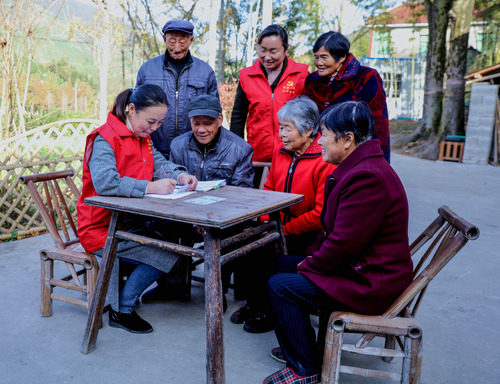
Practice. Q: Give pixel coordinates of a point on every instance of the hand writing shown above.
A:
(162, 186)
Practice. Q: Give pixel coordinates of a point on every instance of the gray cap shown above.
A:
(179, 26)
(205, 105)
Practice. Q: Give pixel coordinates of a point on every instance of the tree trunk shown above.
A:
(453, 108)
(212, 32)
(221, 61)
(252, 27)
(437, 15)
(267, 13)
(103, 71)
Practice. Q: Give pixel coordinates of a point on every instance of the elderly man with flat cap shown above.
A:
(182, 77)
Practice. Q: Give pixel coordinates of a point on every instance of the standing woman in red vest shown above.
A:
(120, 160)
(272, 81)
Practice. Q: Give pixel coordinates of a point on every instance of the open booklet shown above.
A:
(180, 190)
(204, 186)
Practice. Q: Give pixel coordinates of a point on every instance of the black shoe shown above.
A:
(260, 323)
(158, 295)
(130, 322)
(243, 314)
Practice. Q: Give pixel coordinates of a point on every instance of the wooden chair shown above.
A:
(266, 166)
(55, 195)
(398, 323)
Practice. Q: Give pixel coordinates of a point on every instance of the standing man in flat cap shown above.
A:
(182, 77)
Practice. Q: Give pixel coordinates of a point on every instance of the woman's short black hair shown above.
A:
(147, 95)
(335, 43)
(274, 30)
(350, 116)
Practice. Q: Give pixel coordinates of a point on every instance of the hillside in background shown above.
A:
(68, 55)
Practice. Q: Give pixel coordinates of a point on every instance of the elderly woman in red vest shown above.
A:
(121, 161)
(340, 77)
(264, 88)
(361, 262)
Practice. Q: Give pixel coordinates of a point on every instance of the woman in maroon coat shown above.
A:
(361, 262)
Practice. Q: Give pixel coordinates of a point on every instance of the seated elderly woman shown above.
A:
(297, 167)
(362, 260)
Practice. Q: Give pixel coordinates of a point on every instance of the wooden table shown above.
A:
(213, 211)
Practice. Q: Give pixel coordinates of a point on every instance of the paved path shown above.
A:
(459, 316)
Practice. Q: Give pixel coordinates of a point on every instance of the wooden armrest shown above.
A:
(87, 260)
(398, 326)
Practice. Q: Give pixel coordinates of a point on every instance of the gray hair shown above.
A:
(301, 111)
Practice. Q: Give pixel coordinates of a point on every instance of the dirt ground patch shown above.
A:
(423, 149)
(402, 127)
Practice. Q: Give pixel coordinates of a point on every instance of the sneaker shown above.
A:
(130, 322)
(243, 314)
(277, 354)
(260, 323)
(288, 376)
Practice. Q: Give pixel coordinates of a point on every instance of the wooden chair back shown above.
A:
(54, 203)
(55, 195)
(449, 233)
(266, 166)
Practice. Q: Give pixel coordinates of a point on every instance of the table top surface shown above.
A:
(219, 208)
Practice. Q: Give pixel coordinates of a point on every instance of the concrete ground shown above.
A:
(459, 316)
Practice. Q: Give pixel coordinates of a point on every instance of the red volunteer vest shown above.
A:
(262, 122)
(134, 158)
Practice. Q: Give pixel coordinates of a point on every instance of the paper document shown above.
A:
(204, 186)
(174, 195)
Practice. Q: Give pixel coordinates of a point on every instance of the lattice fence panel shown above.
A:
(53, 147)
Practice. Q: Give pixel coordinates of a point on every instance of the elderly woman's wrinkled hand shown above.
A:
(162, 186)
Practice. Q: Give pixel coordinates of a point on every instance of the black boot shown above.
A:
(130, 322)
(260, 323)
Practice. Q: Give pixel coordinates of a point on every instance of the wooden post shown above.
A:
(214, 321)
(333, 351)
(94, 320)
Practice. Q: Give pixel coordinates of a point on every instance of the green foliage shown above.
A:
(54, 114)
(360, 42)
(300, 19)
(489, 40)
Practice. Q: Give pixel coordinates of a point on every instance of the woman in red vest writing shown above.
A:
(120, 160)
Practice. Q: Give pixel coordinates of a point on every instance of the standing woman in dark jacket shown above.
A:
(264, 88)
(340, 77)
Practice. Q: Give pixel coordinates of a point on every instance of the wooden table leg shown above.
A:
(98, 299)
(280, 244)
(214, 321)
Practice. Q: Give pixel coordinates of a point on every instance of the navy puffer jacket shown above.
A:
(197, 78)
(229, 159)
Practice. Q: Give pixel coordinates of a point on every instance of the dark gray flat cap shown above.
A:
(205, 105)
(179, 26)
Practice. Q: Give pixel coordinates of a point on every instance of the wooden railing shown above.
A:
(53, 147)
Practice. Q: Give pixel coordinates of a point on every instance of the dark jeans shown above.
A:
(293, 297)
